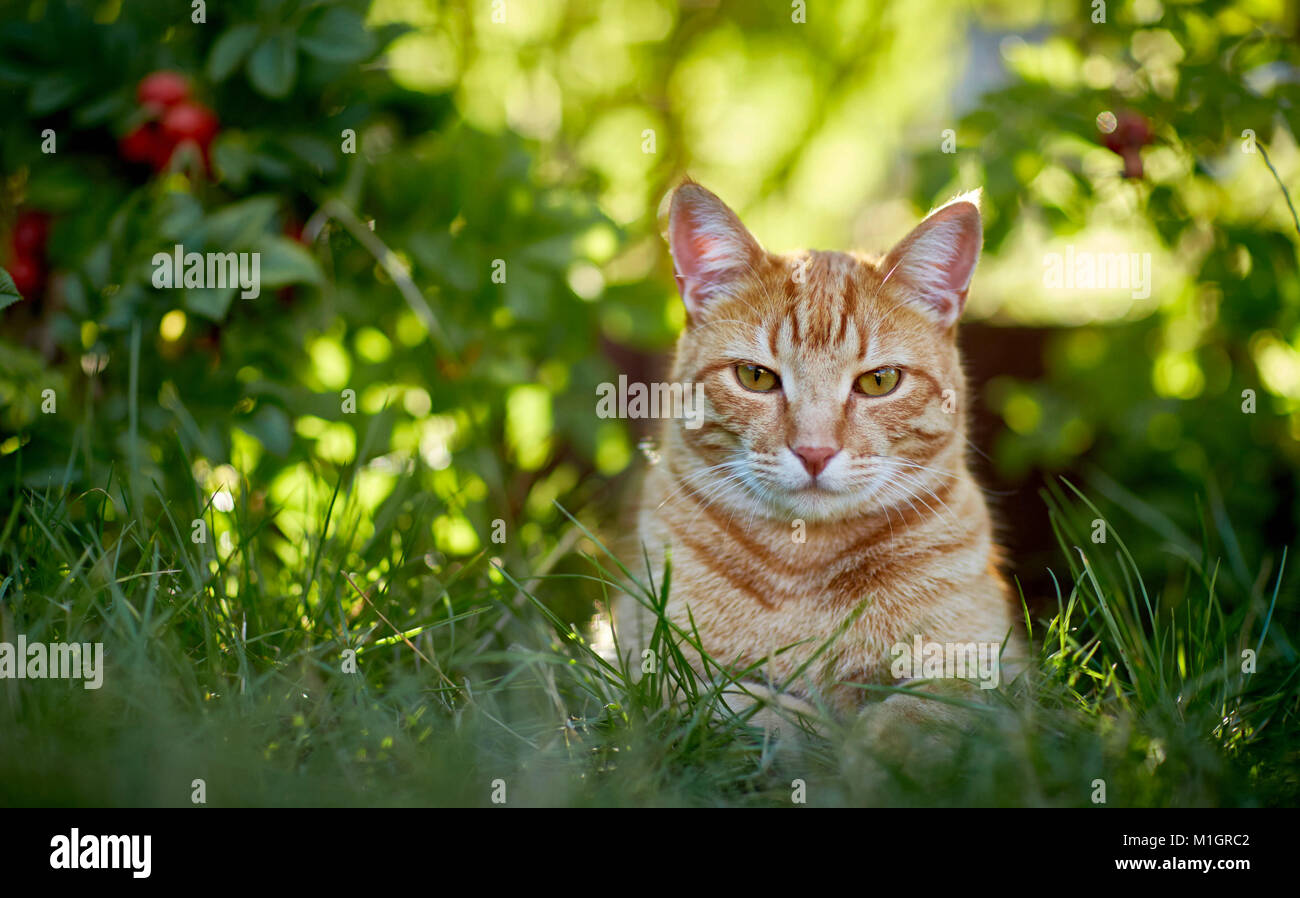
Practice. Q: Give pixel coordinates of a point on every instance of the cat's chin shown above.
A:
(814, 505)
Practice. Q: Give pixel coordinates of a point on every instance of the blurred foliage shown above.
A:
(1188, 401)
(176, 385)
(535, 140)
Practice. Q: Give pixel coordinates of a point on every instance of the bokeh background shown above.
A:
(545, 133)
(457, 206)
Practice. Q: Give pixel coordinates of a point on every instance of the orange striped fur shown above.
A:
(895, 526)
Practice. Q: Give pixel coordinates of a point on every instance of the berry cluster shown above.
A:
(173, 120)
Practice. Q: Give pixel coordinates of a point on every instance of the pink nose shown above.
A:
(814, 458)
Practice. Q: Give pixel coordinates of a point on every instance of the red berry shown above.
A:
(145, 144)
(27, 274)
(1131, 133)
(162, 89)
(190, 121)
(31, 230)
(1133, 129)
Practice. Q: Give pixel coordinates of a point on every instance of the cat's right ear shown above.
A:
(712, 251)
(938, 258)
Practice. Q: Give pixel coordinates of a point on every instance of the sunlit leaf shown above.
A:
(285, 262)
(273, 67)
(230, 50)
(337, 34)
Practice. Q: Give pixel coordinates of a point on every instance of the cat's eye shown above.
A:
(879, 382)
(757, 378)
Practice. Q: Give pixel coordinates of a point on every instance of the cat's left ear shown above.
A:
(935, 262)
(712, 251)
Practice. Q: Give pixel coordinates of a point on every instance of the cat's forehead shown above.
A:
(825, 293)
(827, 273)
(820, 304)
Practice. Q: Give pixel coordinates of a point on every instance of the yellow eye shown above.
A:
(756, 379)
(879, 382)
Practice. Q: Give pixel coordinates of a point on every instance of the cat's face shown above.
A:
(833, 385)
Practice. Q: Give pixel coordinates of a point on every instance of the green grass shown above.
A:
(225, 663)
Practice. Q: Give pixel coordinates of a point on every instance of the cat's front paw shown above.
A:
(909, 728)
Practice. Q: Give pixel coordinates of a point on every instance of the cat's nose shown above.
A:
(814, 458)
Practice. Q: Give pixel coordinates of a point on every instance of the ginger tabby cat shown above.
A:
(834, 411)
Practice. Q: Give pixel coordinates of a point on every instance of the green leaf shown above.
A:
(315, 151)
(239, 225)
(210, 302)
(271, 168)
(52, 93)
(181, 214)
(104, 109)
(8, 291)
(337, 35)
(285, 262)
(232, 159)
(273, 67)
(230, 50)
(453, 262)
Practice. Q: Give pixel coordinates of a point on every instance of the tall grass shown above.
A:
(226, 663)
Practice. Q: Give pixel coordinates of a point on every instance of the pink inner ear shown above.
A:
(710, 246)
(939, 258)
(694, 252)
(965, 252)
(699, 257)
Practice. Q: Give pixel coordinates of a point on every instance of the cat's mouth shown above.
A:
(816, 499)
(816, 487)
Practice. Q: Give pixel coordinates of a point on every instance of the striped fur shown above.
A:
(897, 530)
